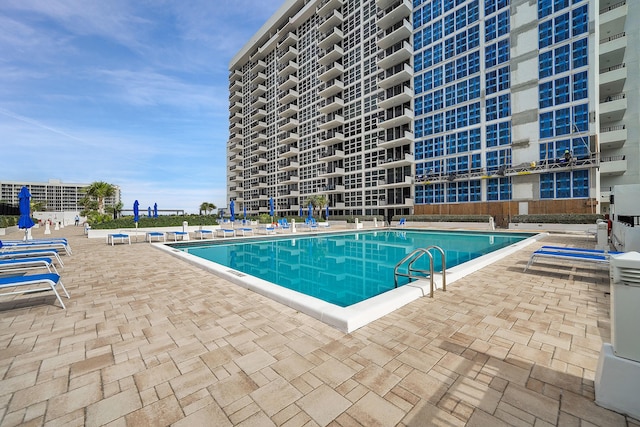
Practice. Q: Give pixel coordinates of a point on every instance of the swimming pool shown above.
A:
(333, 276)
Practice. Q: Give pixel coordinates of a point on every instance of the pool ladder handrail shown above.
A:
(416, 255)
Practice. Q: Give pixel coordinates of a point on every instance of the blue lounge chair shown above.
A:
(564, 255)
(22, 264)
(402, 223)
(34, 253)
(18, 281)
(155, 235)
(579, 250)
(35, 244)
(202, 233)
(226, 231)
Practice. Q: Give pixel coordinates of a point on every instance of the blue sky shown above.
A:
(131, 92)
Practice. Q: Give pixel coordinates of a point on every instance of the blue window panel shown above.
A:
(545, 94)
(580, 53)
(492, 135)
(426, 14)
(503, 51)
(580, 183)
(450, 120)
(417, 84)
(563, 121)
(419, 128)
(580, 86)
(563, 185)
(545, 8)
(490, 29)
(492, 109)
(562, 59)
(503, 3)
(546, 125)
(449, 4)
(462, 117)
(438, 196)
(438, 99)
(493, 188)
(545, 34)
(436, 8)
(461, 18)
(463, 191)
(547, 152)
(461, 42)
(417, 62)
(428, 127)
(491, 82)
(473, 12)
(505, 189)
(504, 25)
(504, 106)
(463, 164)
(417, 19)
(561, 28)
(504, 133)
(474, 87)
(561, 146)
(419, 147)
(437, 53)
(547, 187)
(452, 192)
(461, 92)
(437, 30)
(504, 78)
(417, 40)
(427, 60)
(491, 52)
(476, 162)
(438, 123)
(474, 113)
(428, 103)
(492, 161)
(437, 77)
(420, 195)
(428, 80)
(438, 147)
(473, 36)
(417, 3)
(427, 37)
(463, 142)
(562, 90)
(580, 148)
(449, 47)
(475, 140)
(545, 68)
(418, 105)
(558, 5)
(489, 7)
(580, 20)
(474, 62)
(450, 95)
(449, 71)
(581, 117)
(475, 191)
(451, 147)
(461, 67)
(449, 24)
(451, 165)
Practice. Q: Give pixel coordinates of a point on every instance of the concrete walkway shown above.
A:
(150, 340)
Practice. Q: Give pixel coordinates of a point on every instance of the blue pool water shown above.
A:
(345, 268)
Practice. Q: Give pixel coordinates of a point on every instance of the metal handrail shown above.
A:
(416, 255)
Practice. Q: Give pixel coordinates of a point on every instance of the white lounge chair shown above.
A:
(175, 234)
(118, 237)
(22, 264)
(17, 282)
(202, 233)
(155, 235)
(226, 231)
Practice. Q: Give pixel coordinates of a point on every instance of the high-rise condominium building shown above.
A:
(393, 107)
(54, 195)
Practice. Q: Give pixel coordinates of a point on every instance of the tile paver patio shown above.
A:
(148, 339)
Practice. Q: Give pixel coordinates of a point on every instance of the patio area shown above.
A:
(150, 340)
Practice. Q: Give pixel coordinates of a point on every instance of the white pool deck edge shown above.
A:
(348, 319)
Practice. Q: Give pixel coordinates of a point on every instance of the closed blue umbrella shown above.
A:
(310, 216)
(136, 212)
(326, 215)
(155, 210)
(245, 213)
(149, 211)
(232, 207)
(25, 221)
(271, 206)
(301, 211)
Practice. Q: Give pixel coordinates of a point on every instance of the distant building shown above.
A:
(400, 107)
(55, 195)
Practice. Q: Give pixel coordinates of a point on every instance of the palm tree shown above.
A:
(317, 201)
(100, 190)
(207, 207)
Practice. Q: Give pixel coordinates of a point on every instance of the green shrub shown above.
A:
(443, 218)
(161, 221)
(8, 221)
(557, 219)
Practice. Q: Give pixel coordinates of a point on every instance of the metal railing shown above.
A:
(415, 273)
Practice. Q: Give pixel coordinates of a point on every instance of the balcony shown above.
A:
(331, 138)
(396, 76)
(613, 108)
(235, 147)
(329, 39)
(289, 39)
(612, 80)
(398, 32)
(258, 102)
(398, 202)
(612, 49)
(395, 55)
(330, 172)
(394, 98)
(235, 96)
(289, 82)
(236, 117)
(287, 68)
(612, 19)
(258, 90)
(405, 116)
(332, 20)
(260, 149)
(394, 11)
(236, 106)
(259, 77)
(331, 55)
(331, 72)
(235, 128)
(288, 96)
(396, 162)
(331, 122)
(288, 165)
(235, 75)
(288, 151)
(331, 88)
(259, 65)
(259, 113)
(326, 6)
(333, 188)
(288, 124)
(290, 178)
(397, 139)
(288, 54)
(288, 138)
(612, 137)
(260, 161)
(330, 105)
(258, 126)
(288, 110)
(331, 155)
(236, 138)
(260, 137)
(406, 181)
(236, 85)
(612, 166)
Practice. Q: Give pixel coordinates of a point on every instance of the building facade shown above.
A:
(54, 195)
(392, 107)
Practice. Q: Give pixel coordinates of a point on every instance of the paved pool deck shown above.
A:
(150, 340)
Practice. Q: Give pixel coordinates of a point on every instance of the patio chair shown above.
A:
(226, 231)
(17, 282)
(567, 255)
(402, 223)
(22, 264)
(202, 233)
(33, 253)
(35, 244)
